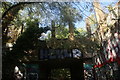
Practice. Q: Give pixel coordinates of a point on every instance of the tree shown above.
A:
(64, 14)
(25, 45)
(70, 15)
(62, 32)
(29, 39)
(9, 16)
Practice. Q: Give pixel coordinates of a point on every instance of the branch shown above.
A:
(84, 13)
(14, 6)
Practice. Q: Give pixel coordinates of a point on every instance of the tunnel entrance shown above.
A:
(73, 69)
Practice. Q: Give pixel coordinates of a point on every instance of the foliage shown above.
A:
(80, 32)
(61, 32)
(5, 6)
(29, 39)
(61, 74)
(64, 14)
(9, 15)
(70, 13)
(25, 43)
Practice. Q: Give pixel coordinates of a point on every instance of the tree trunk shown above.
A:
(88, 27)
(53, 29)
(22, 28)
(71, 30)
(100, 16)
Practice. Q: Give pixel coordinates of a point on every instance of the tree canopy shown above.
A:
(23, 23)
